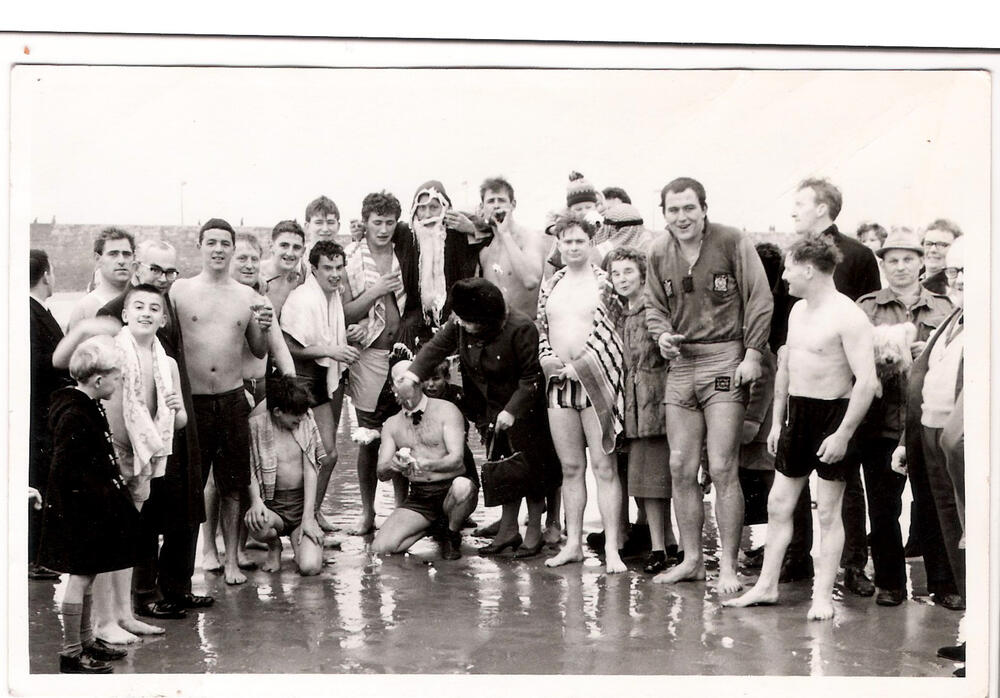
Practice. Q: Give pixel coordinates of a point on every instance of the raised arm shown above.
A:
(526, 263)
(443, 344)
(85, 329)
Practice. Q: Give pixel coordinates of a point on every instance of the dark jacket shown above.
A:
(45, 379)
(89, 521)
(936, 283)
(177, 497)
(645, 376)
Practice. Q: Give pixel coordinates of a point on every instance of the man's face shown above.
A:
(379, 229)
(406, 391)
(955, 273)
(157, 268)
(582, 207)
(683, 214)
(428, 207)
(328, 272)
(575, 246)
(797, 275)
(807, 215)
(287, 248)
(494, 201)
(902, 268)
(626, 278)
(288, 422)
(322, 227)
(936, 244)
(144, 313)
(246, 264)
(216, 249)
(115, 263)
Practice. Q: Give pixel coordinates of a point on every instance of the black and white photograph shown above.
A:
(339, 360)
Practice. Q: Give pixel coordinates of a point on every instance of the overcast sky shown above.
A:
(125, 145)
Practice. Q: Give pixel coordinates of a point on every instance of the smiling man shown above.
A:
(283, 271)
(709, 309)
(938, 238)
(216, 315)
(114, 250)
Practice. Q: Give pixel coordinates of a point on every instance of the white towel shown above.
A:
(310, 319)
(151, 439)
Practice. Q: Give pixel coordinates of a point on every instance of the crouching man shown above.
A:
(285, 453)
(425, 443)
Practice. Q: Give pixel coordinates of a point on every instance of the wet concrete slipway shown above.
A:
(417, 613)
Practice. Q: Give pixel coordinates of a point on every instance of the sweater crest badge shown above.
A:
(720, 282)
(668, 287)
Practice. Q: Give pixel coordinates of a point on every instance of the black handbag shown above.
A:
(506, 480)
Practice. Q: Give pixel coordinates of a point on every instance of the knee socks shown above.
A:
(71, 617)
(86, 628)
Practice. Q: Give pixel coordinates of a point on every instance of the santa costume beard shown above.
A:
(431, 234)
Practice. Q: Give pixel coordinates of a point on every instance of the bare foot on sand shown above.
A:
(552, 534)
(363, 526)
(273, 561)
(134, 625)
(233, 574)
(569, 553)
(755, 596)
(729, 583)
(613, 564)
(687, 571)
(211, 562)
(115, 634)
(325, 525)
(821, 609)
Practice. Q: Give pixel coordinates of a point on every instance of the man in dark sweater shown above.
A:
(817, 205)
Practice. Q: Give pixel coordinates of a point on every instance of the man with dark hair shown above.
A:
(826, 381)
(283, 271)
(817, 204)
(939, 236)
(381, 292)
(709, 309)
(45, 379)
(113, 252)
(216, 315)
(322, 221)
(614, 196)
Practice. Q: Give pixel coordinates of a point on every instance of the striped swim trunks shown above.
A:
(568, 394)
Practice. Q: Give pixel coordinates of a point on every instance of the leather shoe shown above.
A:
(953, 653)
(38, 572)
(953, 602)
(102, 651)
(959, 672)
(890, 597)
(796, 570)
(189, 600)
(163, 609)
(496, 548)
(82, 664)
(655, 562)
(524, 551)
(596, 541)
(451, 546)
(856, 582)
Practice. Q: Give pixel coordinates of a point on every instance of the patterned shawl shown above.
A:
(362, 274)
(151, 438)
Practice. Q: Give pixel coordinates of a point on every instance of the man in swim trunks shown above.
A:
(425, 443)
(826, 379)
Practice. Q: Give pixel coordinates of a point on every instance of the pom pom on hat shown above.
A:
(579, 190)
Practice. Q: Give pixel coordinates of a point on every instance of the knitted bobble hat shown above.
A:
(579, 189)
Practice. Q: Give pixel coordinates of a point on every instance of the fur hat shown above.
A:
(477, 300)
(579, 190)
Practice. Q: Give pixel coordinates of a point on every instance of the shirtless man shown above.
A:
(424, 443)
(216, 315)
(581, 358)
(114, 250)
(284, 271)
(826, 379)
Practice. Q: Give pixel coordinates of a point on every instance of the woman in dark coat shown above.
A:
(502, 380)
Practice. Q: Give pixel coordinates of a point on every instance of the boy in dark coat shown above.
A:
(89, 521)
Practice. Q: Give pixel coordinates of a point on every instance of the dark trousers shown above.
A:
(940, 579)
(885, 505)
(165, 571)
(943, 492)
(38, 477)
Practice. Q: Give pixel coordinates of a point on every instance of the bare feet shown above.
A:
(729, 582)
(273, 561)
(569, 553)
(134, 625)
(363, 526)
(552, 534)
(211, 562)
(687, 571)
(254, 544)
(115, 634)
(233, 574)
(244, 562)
(821, 609)
(755, 596)
(489, 531)
(613, 563)
(325, 525)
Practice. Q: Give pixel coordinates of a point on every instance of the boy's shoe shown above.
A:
(857, 582)
(82, 664)
(675, 556)
(161, 610)
(796, 570)
(38, 572)
(102, 651)
(890, 597)
(953, 602)
(189, 600)
(953, 653)
(656, 561)
(451, 546)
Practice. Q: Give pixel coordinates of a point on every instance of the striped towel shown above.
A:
(362, 274)
(600, 366)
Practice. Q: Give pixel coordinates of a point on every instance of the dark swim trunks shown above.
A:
(224, 439)
(288, 505)
(809, 422)
(427, 498)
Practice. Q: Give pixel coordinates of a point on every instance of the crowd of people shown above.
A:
(669, 361)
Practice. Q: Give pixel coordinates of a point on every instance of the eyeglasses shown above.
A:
(170, 274)
(953, 272)
(939, 245)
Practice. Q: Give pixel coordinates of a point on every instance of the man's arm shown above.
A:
(85, 329)
(453, 427)
(256, 335)
(357, 308)
(780, 402)
(386, 467)
(278, 349)
(657, 312)
(442, 345)
(525, 345)
(310, 527)
(338, 352)
(174, 400)
(758, 301)
(856, 337)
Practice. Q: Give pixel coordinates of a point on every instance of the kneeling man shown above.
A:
(285, 453)
(826, 377)
(425, 443)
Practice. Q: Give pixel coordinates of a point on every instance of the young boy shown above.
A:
(285, 453)
(89, 523)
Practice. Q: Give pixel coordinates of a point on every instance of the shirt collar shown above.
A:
(420, 407)
(886, 296)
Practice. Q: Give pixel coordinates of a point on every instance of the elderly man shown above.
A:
(904, 300)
